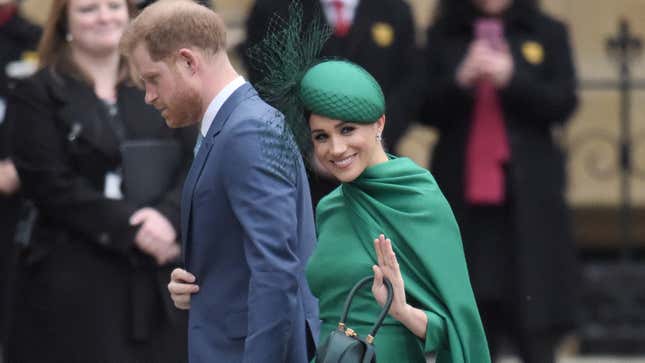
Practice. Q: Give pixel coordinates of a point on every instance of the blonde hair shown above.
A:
(167, 26)
(54, 49)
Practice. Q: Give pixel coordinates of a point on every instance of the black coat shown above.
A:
(541, 95)
(84, 292)
(16, 36)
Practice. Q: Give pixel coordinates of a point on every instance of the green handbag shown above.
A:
(343, 345)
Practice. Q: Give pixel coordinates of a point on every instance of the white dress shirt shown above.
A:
(349, 10)
(217, 103)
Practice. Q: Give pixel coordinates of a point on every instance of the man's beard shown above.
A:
(184, 109)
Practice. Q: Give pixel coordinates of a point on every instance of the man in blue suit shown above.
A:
(247, 221)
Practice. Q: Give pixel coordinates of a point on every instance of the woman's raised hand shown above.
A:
(388, 267)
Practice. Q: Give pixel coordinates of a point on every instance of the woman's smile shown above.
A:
(345, 162)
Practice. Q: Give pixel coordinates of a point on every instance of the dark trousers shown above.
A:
(489, 244)
(500, 321)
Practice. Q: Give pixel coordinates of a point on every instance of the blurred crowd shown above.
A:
(85, 260)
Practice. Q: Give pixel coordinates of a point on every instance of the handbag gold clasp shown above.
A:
(350, 332)
(369, 339)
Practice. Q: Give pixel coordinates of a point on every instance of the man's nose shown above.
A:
(150, 97)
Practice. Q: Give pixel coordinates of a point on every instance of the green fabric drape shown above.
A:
(402, 200)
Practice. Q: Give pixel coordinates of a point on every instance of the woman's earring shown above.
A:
(69, 37)
(379, 137)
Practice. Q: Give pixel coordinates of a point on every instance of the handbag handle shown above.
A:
(382, 315)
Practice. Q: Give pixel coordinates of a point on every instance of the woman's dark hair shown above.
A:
(462, 13)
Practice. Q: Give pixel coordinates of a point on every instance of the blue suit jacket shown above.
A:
(248, 228)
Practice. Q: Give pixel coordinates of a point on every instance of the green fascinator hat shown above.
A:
(295, 81)
(342, 90)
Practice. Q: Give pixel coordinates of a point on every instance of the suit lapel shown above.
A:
(245, 91)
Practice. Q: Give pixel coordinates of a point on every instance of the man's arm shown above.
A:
(262, 192)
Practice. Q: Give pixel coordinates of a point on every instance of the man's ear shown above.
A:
(188, 60)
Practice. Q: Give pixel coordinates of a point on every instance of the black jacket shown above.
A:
(82, 281)
(16, 36)
(540, 96)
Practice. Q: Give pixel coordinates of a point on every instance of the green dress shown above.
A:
(401, 200)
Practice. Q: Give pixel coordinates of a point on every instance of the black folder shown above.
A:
(149, 169)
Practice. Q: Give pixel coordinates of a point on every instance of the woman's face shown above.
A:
(96, 26)
(345, 149)
(493, 7)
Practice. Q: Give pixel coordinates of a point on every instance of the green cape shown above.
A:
(403, 201)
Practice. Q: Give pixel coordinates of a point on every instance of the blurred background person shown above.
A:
(379, 35)
(17, 37)
(500, 77)
(91, 284)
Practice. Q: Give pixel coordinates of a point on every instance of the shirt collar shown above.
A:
(218, 101)
(346, 3)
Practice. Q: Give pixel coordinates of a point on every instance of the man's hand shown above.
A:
(156, 237)
(181, 287)
(9, 182)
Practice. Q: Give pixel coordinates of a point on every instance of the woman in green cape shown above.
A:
(388, 218)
